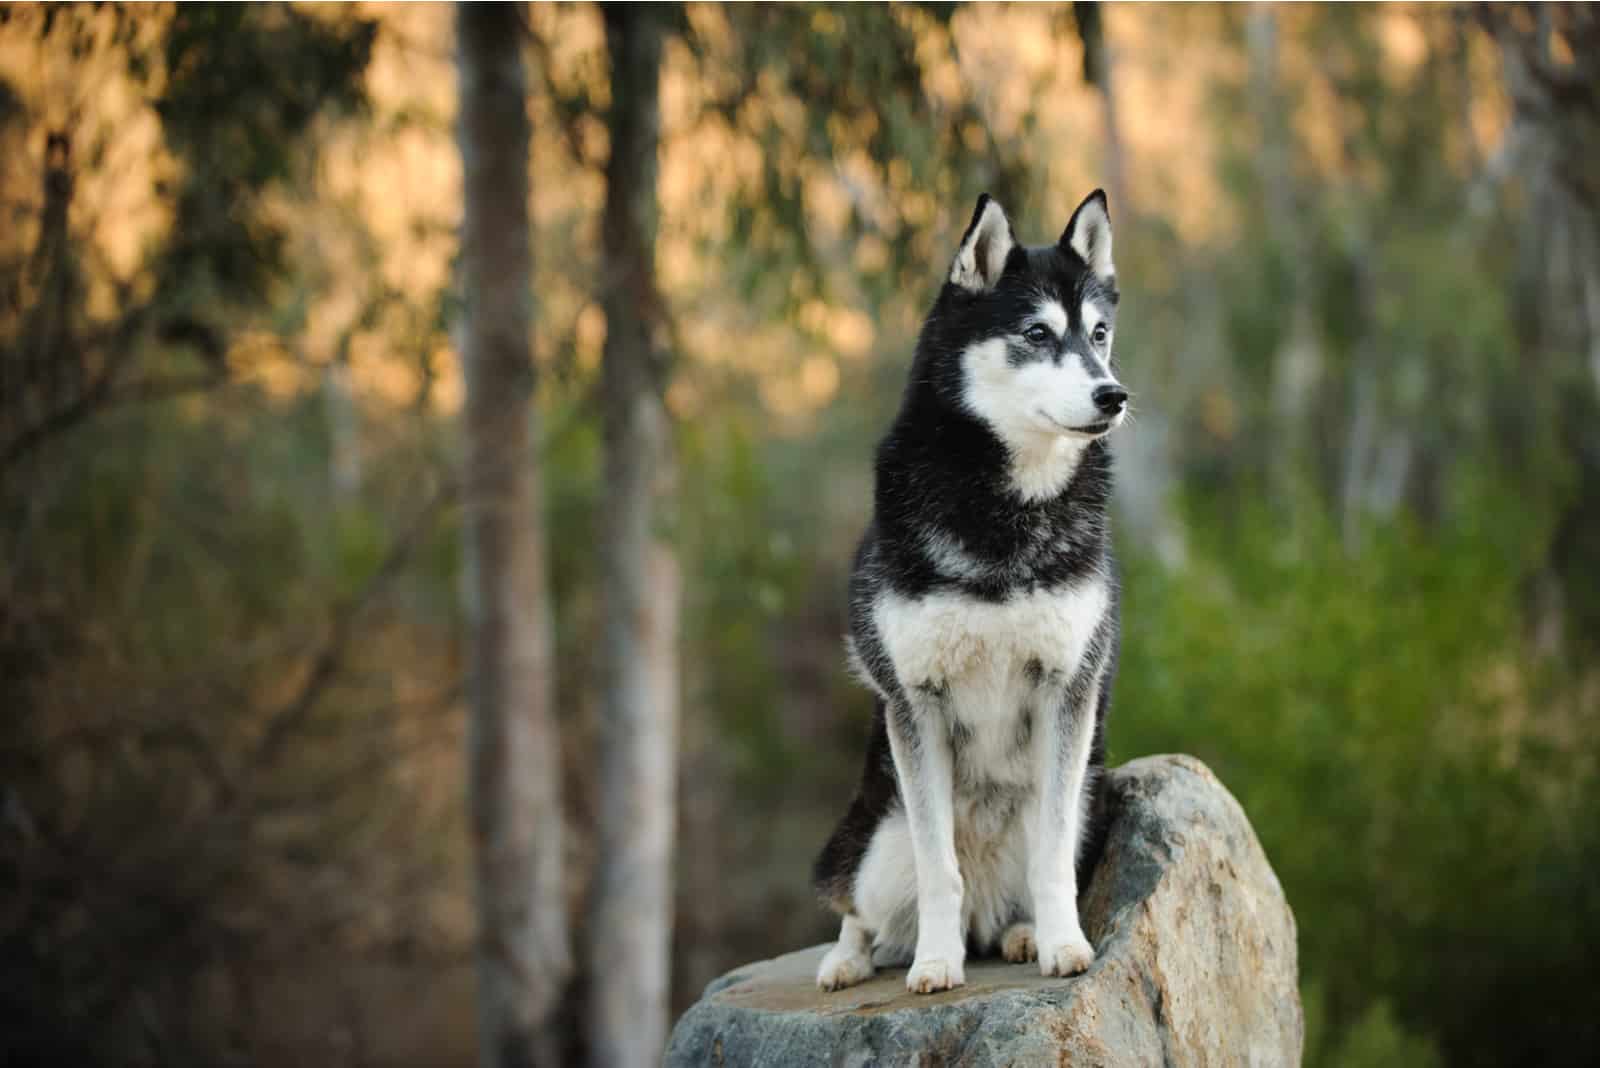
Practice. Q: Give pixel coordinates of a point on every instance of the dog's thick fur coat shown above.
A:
(984, 616)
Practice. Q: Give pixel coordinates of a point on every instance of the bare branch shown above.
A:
(325, 665)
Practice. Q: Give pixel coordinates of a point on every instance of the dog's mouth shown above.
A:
(1087, 430)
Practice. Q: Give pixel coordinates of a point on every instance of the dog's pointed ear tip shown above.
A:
(1083, 215)
(988, 213)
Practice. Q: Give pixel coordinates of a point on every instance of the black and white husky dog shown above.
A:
(983, 614)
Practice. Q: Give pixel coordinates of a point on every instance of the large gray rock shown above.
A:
(1195, 965)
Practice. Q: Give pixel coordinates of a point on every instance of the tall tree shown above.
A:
(1552, 73)
(1097, 71)
(1296, 361)
(523, 952)
(630, 929)
(1144, 496)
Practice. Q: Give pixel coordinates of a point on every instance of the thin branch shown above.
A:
(565, 119)
(325, 666)
(101, 397)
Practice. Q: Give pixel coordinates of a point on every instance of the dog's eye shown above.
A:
(1100, 334)
(1038, 334)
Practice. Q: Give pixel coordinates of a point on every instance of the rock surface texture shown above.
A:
(1195, 965)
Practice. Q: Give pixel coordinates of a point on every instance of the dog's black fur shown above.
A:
(942, 468)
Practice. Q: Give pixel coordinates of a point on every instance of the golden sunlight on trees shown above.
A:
(303, 497)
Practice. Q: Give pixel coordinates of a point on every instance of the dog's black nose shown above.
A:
(1110, 399)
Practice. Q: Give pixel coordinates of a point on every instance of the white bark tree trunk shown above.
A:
(515, 771)
(630, 929)
(344, 424)
(1361, 442)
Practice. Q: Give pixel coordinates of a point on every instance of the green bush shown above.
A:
(1376, 718)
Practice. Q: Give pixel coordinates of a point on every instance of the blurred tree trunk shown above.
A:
(1556, 102)
(344, 423)
(631, 926)
(523, 952)
(1365, 441)
(1297, 365)
(44, 375)
(1097, 71)
(1144, 494)
(1360, 446)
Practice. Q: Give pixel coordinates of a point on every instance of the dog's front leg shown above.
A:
(919, 739)
(1063, 755)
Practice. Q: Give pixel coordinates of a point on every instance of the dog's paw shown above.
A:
(1016, 945)
(932, 976)
(842, 967)
(1071, 955)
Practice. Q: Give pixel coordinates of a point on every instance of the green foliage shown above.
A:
(1411, 748)
(859, 84)
(1356, 707)
(1374, 1040)
(243, 84)
(743, 574)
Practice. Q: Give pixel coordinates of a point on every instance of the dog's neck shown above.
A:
(1032, 468)
(1041, 466)
(955, 498)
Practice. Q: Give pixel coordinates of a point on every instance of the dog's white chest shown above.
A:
(951, 639)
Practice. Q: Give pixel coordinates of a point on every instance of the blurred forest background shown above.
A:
(1359, 508)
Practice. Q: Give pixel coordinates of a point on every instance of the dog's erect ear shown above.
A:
(984, 248)
(1089, 234)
